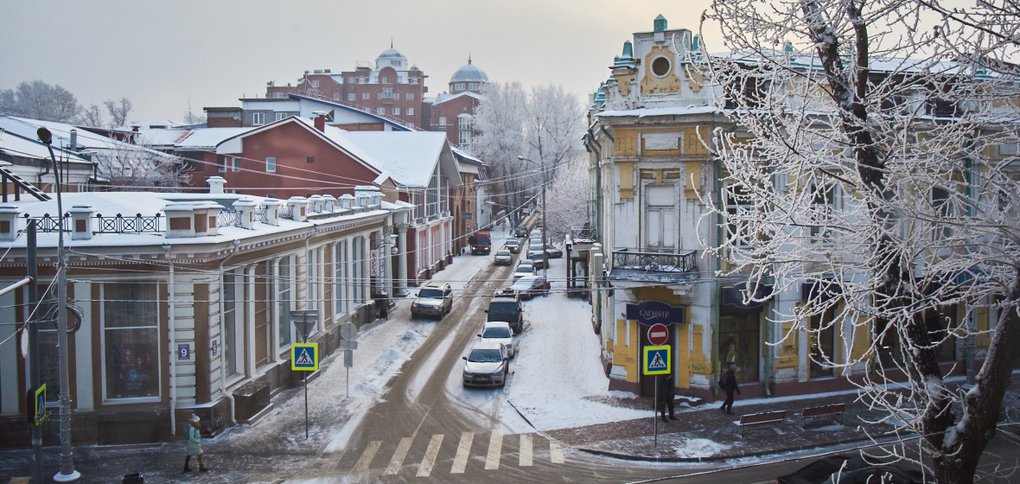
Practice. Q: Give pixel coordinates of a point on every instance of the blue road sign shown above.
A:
(304, 357)
(656, 360)
(40, 405)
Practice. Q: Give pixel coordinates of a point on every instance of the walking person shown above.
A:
(665, 394)
(729, 384)
(194, 444)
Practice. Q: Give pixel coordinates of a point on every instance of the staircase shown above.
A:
(20, 184)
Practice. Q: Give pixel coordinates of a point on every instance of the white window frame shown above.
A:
(258, 119)
(270, 164)
(235, 164)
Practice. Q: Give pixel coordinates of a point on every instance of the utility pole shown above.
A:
(33, 343)
(67, 472)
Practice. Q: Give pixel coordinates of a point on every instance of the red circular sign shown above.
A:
(658, 334)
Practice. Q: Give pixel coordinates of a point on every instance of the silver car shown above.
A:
(500, 332)
(486, 365)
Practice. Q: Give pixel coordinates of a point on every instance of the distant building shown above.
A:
(453, 112)
(391, 89)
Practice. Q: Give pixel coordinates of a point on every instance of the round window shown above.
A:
(660, 66)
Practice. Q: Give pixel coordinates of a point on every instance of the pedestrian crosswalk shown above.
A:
(440, 454)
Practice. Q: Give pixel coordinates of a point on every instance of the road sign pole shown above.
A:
(655, 416)
(304, 380)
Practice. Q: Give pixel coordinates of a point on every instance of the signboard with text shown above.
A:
(652, 312)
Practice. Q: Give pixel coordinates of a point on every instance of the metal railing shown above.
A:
(654, 261)
(582, 233)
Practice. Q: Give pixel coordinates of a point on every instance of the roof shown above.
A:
(394, 125)
(444, 97)
(410, 157)
(208, 137)
(86, 140)
(469, 73)
(667, 111)
(16, 145)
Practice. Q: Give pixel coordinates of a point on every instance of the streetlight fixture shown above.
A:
(545, 254)
(67, 472)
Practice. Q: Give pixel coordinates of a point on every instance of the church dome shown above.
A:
(391, 58)
(469, 73)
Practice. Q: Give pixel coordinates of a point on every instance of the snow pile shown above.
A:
(698, 448)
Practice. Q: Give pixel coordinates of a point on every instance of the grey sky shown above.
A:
(163, 54)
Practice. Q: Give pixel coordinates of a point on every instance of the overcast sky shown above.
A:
(163, 55)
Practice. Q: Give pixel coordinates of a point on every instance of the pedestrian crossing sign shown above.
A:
(656, 360)
(304, 357)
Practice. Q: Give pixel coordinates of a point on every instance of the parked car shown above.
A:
(486, 365)
(500, 332)
(850, 469)
(503, 257)
(434, 299)
(513, 245)
(537, 258)
(553, 252)
(528, 287)
(506, 306)
(525, 268)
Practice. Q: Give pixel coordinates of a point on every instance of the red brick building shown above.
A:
(392, 89)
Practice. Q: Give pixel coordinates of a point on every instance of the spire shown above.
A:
(391, 41)
(469, 58)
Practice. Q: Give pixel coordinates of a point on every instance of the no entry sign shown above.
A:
(658, 334)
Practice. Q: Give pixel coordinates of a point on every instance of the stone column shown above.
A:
(402, 269)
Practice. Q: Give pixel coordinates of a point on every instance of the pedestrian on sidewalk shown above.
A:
(194, 444)
(665, 394)
(729, 384)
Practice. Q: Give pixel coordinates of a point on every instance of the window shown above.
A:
(222, 165)
(231, 330)
(358, 275)
(464, 122)
(943, 212)
(278, 95)
(660, 217)
(336, 96)
(366, 96)
(315, 83)
(442, 120)
(410, 111)
(380, 111)
(46, 346)
(258, 119)
(385, 80)
(414, 80)
(340, 283)
(660, 66)
(352, 96)
(284, 299)
(281, 116)
(310, 159)
(235, 164)
(822, 342)
(396, 111)
(738, 208)
(131, 341)
(822, 208)
(409, 96)
(270, 164)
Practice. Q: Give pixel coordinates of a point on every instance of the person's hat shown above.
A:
(733, 367)
(195, 418)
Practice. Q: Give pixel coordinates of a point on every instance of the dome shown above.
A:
(391, 58)
(469, 73)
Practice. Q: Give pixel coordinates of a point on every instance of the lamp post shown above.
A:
(67, 472)
(545, 255)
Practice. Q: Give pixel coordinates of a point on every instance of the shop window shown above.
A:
(45, 353)
(739, 337)
(131, 341)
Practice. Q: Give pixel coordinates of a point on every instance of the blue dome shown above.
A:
(469, 73)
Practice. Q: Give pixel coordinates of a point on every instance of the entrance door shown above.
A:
(822, 338)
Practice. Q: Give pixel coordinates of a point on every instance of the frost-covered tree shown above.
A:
(39, 100)
(119, 111)
(542, 126)
(129, 168)
(91, 116)
(568, 198)
(874, 158)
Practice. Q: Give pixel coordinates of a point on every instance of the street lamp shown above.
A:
(545, 255)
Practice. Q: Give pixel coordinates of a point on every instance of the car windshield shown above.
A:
(504, 253)
(479, 355)
(502, 309)
(496, 332)
(523, 283)
(431, 293)
(512, 243)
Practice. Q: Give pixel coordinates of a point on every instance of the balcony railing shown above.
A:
(653, 261)
(582, 234)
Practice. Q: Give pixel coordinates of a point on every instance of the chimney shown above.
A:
(320, 122)
(81, 222)
(315, 203)
(8, 222)
(346, 201)
(298, 207)
(216, 184)
(245, 208)
(272, 209)
(328, 203)
(74, 140)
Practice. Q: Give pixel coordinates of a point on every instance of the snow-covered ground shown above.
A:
(557, 369)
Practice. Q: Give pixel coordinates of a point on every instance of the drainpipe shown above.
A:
(223, 375)
(173, 341)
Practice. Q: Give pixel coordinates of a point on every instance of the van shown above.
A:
(506, 307)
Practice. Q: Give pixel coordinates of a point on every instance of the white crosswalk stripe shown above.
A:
(425, 469)
(398, 457)
(495, 448)
(463, 452)
(555, 452)
(526, 447)
(366, 458)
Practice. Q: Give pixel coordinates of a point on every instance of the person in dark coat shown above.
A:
(729, 384)
(665, 395)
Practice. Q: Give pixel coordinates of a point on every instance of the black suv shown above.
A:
(506, 307)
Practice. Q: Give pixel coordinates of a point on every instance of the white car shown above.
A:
(501, 333)
(503, 257)
(525, 268)
(486, 365)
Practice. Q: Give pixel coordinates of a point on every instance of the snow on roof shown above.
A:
(159, 136)
(209, 137)
(390, 122)
(148, 204)
(17, 146)
(409, 158)
(667, 111)
(444, 97)
(86, 140)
